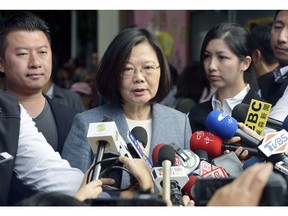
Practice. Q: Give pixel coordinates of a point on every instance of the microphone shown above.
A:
(186, 158)
(206, 141)
(105, 137)
(213, 144)
(188, 189)
(140, 134)
(166, 157)
(178, 174)
(226, 127)
(155, 154)
(252, 161)
(240, 112)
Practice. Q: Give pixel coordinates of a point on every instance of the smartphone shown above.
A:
(4, 157)
(282, 167)
(230, 163)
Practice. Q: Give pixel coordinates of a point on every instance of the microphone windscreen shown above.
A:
(209, 142)
(187, 189)
(166, 152)
(223, 125)
(252, 161)
(140, 134)
(155, 154)
(240, 112)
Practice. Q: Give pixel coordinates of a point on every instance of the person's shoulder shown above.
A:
(65, 92)
(59, 106)
(200, 107)
(166, 109)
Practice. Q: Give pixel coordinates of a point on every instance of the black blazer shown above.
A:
(198, 114)
(9, 135)
(63, 116)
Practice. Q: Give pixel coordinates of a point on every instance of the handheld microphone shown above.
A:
(104, 137)
(186, 158)
(141, 135)
(188, 189)
(166, 156)
(240, 112)
(206, 141)
(155, 154)
(213, 144)
(226, 127)
(252, 161)
(178, 174)
(183, 157)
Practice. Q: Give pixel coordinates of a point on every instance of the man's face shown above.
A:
(279, 38)
(27, 61)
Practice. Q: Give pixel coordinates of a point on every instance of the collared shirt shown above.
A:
(229, 103)
(50, 91)
(280, 111)
(39, 166)
(278, 73)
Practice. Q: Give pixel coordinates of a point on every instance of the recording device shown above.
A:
(140, 134)
(104, 137)
(252, 161)
(240, 112)
(230, 163)
(226, 127)
(213, 144)
(177, 174)
(256, 116)
(272, 145)
(139, 150)
(186, 158)
(274, 193)
(166, 157)
(188, 188)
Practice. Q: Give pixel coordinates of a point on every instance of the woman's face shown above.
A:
(222, 66)
(139, 88)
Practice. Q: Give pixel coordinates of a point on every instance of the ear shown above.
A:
(256, 56)
(246, 63)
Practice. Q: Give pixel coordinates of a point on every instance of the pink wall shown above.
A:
(170, 26)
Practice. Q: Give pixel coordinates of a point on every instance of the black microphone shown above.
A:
(140, 134)
(240, 112)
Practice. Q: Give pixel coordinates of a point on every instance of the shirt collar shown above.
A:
(50, 91)
(229, 103)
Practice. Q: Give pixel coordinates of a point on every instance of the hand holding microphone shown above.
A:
(226, 127)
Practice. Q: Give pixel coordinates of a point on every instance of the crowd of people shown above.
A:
(44, 122)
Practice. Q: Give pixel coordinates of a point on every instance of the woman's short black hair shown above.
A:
(115, 59)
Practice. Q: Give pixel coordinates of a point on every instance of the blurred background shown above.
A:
(80, 34)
